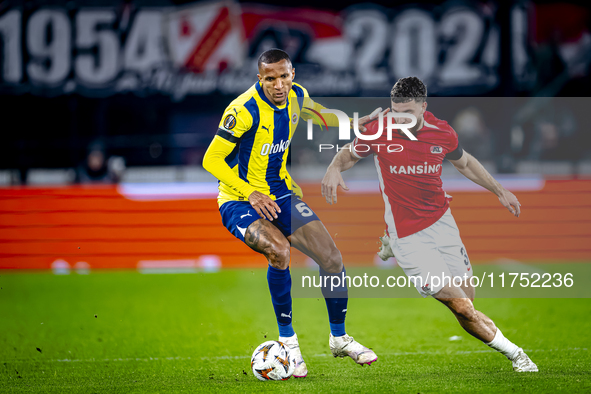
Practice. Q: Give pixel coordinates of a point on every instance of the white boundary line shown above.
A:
(511, 265)
(146, 359)
(160, 191)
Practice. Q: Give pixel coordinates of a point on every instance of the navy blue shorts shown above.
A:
(238, 215)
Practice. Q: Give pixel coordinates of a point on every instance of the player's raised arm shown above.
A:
(342, 161)
(311, 107)
(313, 110)
(471, 168)
(345, 159)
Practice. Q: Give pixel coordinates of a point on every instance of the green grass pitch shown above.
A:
(130, 333)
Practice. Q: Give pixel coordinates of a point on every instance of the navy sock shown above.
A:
(336, 301)
(280, 288)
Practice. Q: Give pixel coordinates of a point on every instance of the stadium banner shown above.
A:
(212, 47)
(177, 227)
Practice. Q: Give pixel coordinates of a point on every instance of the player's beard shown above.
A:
(418, 126)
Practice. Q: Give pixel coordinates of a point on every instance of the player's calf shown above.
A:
(482, 327)
(314, 241)
(265, 238)
(469, 318)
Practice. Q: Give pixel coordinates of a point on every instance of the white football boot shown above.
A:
(522, 363)
(385, 250)
(347, 346)
(301, 371)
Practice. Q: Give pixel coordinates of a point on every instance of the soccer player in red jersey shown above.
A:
(421, 231)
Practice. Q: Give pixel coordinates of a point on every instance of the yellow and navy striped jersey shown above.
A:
(261, 132)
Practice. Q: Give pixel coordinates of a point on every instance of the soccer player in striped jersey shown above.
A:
(257, 203)
(421, 231)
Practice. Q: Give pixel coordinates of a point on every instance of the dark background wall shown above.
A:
(127, 74)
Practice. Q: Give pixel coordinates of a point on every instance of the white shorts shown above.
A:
(434, 256)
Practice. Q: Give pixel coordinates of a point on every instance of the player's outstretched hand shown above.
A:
(510, 202)
(331, 181)
(265, 207)
(368, 118)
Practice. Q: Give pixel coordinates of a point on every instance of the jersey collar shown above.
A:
(266, 100)
(427, 124)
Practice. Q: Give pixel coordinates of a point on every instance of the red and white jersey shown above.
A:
(410, 173)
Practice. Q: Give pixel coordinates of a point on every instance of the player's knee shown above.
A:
(470, 293)
(333, 261)
(469, 290)
(278, 256)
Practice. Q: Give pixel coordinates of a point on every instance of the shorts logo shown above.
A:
(229, 122)
(436, 149)
(242, 230)
(294, 118)
(426, 288)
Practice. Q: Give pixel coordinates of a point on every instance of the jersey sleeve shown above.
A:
(312, 110)
(310, 106)
(454, 149)
(214, 162)
(235, 122)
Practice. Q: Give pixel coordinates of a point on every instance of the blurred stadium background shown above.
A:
(109, 106)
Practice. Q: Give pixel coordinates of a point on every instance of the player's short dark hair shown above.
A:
(408, 89)
(273, 56)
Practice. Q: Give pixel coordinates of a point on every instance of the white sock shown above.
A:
(503, 345)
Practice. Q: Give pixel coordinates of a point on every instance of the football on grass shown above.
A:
(271, 361)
